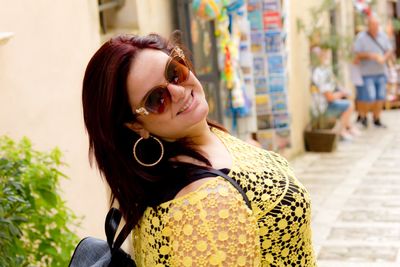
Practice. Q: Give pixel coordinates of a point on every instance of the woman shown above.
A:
(146, 115)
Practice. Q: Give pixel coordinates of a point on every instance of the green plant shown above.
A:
(35, 223)
(319, 120)
(323, 35)
(320, 34)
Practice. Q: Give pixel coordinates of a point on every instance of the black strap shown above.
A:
(377, 43)
(201, 173)
(112, 222)
(113, 219)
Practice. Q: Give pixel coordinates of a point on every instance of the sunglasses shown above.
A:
(176, 72)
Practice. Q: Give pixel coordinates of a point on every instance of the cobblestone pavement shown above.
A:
(355, 194)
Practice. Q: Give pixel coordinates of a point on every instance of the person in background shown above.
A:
(372, 50)
(335, 101)
(145, 112)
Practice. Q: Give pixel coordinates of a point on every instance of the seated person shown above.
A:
(334, 100)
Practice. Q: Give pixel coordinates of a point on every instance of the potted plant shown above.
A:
(321, 134)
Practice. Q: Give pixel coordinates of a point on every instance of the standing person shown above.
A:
(372, 51)
(146, 116)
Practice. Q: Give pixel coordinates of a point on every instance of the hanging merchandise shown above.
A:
(207, 9)
(239, 104)
(363, 6)
(234, 5)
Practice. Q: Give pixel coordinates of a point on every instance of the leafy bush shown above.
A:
(34, 221)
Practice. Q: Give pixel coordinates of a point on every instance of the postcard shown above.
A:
(276, 83)
(278, 102)
(265, 121)
(260, 85)
(257, 41)
(275, 64)
(273, 41)
(256, 20)
(253, 5)
(271, 5)
(282, 139)
(281, 120)
(272, 20)
(263, 104)
(258, 65)
(266, 139)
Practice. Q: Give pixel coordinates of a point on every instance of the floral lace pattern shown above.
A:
(212, 226)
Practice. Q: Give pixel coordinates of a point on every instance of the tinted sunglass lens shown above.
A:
(157, 100)
(177, 71)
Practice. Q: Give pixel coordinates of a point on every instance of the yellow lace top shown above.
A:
(212, 226)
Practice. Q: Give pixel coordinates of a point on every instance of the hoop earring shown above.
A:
(148, 164)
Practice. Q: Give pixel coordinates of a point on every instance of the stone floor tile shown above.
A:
(387, 215)
(378, 190)
(359, 253)
(374, 202)
(369, 234)
(355, 193)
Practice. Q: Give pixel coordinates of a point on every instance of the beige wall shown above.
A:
(42, 67)
(345, 14)
(140, 17)
(125, 16)
(298, 74)
(40, 90)
(155, 16)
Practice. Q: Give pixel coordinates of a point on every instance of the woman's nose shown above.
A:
(177, 92)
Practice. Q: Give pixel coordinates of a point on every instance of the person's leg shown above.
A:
(358, 92)
(380, 87)
(346, 115)
(363, 108)
(366, 98)
(342, 109)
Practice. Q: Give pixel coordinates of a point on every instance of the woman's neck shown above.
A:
(202, 136)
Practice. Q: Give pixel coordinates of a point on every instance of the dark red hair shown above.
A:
(106, 109)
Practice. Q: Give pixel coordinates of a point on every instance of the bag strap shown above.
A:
(112, 222)
(202, 173)
(377, 43)
(390, 62)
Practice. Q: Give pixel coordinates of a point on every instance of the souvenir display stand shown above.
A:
(268, 34)
(251, 56)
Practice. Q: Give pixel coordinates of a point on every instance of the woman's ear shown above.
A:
(137, 128)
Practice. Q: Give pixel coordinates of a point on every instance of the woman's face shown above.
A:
(183, 114)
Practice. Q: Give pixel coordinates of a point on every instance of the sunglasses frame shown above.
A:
(176, 52)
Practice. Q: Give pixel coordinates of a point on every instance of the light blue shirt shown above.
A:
(365, 44)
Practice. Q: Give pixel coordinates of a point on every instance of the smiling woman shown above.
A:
(146, 115)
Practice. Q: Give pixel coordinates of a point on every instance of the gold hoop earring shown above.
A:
(148, 164)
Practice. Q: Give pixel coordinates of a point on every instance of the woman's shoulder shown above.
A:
(193, 187)
(203, 190)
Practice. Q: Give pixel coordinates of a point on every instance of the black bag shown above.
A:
(95, 252)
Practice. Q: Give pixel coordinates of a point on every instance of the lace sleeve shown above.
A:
(214, 227)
